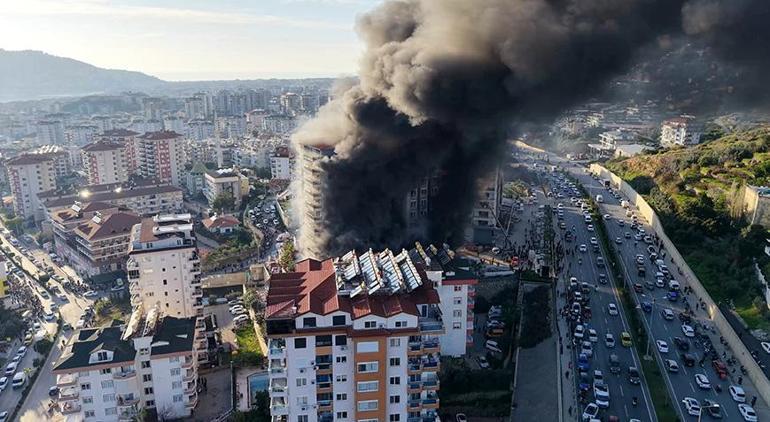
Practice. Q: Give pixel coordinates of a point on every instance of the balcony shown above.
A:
(279, 410)
(190, 388)
(187, 363)
(413, 404)
(192, 401)
(278, 385)
(431, 346)
(127, 415)
(415, 348)
(122, 375)
(202, 345)
(414, 387)
(431, 365)
(70, 407)
(430, 403)
(67, 379)
(414, 368)
(277, 348)
(197, 292)
(432, 384)
(69, 393)
(127, 400)
(189, 376)
(431, 326)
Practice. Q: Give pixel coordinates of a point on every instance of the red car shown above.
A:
(720, 368)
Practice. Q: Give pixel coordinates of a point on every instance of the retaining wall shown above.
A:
(754, 372)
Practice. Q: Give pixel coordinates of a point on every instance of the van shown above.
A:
(19, 379)
(492, 346)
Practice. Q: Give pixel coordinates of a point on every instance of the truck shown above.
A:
(599, 198)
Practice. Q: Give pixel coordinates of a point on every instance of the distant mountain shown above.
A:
(31, 75)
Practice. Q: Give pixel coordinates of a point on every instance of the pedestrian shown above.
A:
(740, 380)
(753, 401)
(566, 374)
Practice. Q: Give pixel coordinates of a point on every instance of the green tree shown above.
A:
(43, 278)
(223, 202)
(286, 258)
(249, 297)
(43, 346)
(16, 225)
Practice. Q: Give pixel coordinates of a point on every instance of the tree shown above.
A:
(223, 202)
(286, 258)
(249, 297)
(15, 225)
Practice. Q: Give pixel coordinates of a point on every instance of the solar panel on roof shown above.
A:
(357, 290)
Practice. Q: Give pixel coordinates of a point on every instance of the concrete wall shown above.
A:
(756, 207)
(740, 351)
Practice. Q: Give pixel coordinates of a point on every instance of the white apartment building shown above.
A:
(359, 337)
(129, 139)
(62, 159)
(311, 178)
(50, 132)
(142, 199)
(161, 156)
(483, 225)
(679, 131)
(80, 134)
(105, 162)
(199, 129)
(28, 175)
(225, 181)
(112, 373)
(282, 164)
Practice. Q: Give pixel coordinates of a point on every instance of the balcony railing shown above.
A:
(69, 407)
(124, 401)
(123, 375)
(65, 380)
(69, 393)
(414, 404)
(428, 326)
(279, 410)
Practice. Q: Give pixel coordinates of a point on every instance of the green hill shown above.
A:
(698, 193)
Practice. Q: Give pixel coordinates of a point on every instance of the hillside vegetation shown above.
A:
(697, 192)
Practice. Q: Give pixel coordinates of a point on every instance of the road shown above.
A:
(682, 383)
(601, 296)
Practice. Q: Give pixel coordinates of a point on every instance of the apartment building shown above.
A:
(161, 156)
(106, 162)
(93, 237)
(225, 181)
(484, 225)
(282, 164)
(112, 373)
(144, 198)
(360, 337)
(62, 161)
(29, 175)
(50, 132)
(131, 150)
(312, 176)
(680, 131)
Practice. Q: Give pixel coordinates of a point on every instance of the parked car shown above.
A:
(692, 405)
(747, 412)
(19, 379)
(737, 393)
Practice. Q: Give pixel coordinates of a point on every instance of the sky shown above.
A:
(193, 39)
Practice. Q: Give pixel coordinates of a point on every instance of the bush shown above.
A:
(43, 346)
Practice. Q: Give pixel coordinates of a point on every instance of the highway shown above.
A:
(682, 383)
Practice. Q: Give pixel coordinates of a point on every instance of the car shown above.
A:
(583, 247)
(638, 287)
(16, 359)
(49, 316)
(667, 314)
(720, 368)
(19, 379)
(671, 365)
(590, 227)
(10, 369)
(662, 346)
(118, 288)
(235, 308)
(460, 417)
(714, 409)
(627, 235)
(688, 331)
(692, 405)
(483, 363)
(594, 241)
(621, 223)
(633, 375)
(681, 344)
(90, 293)
(650, 286)
(579, 331)
(688, 359)
(609, 340)
(587, 349)
(592, 335)
(80, 324)
(619, 241)
(598, 376)
(240, 319)
(590, 412)
(612, 309)
(625, 339)
(22, 351)
(53, 391)
(647, 307)
(63, 298)
(599, 261)
(747, 412)
(583, 363)
(737, 393)
(67, 326)
(4, 416)
(766, 346)
(3, 383)
(601, 395)
(702, 381)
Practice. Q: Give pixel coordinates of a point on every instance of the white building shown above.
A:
(679, 131)
(199, 129)
(106, 162)
(161, 156)
(282, 164)
(80, 134)
(483, 225)
(50, 132)
(142, 198)
(28, 175)
(225, 181)
(359, 337)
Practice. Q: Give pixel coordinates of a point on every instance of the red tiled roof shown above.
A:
(218, 222)
(102, 146)
(111, 225)
(160, 135)
(119, 133)
(26, 159)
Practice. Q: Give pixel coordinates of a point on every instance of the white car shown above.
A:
(601, 395)
(668, 314)
(240, 319)
(662, 346)
(10, 369)
(748, 413)
(592, 335)
(3, 416)
(598, 376)
(590, 412)
(688, 331)
(737, 393)
(583, 247)
(590, 227)
(3, 383)
(587, 348)
(90, 293)
(672, 366)
(22, 351)
(594, 241)
(579, 331)
(235, 309)
(766, 346)
(49, 316)
(612, 309)
(702, 381)
(609, 340)
(692, 405)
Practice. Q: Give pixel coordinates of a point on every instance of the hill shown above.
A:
(697, 192)
(28, 75)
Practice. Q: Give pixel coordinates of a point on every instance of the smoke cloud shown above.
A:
(441, 84)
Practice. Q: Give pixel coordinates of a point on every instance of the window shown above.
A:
(395, 380)
(365, 386)
(90, 414)
(395, 361)
(108, 384)
(457, 313)
(342, 415)
(150, 403)
(176, 385)
(148, 390)
(147, 377)
(85, 386)
(144, 351)
(367, 405)
(174, 359)
(395, 399)
(342, 378)
(341, 340)
(368, 367)
(395, 417)
(302, 401)
(370, 324)
(458, 301)
(111, 411)
(177, 398)
(308, 322)
(145, 364)
(342, 359)
(395, 342)
(342, 396)
(302, 418)
(301, 382)
(175, 371)
(456, 325)
(323, 341)
(338, 320)
(458, 288)
(83, 373)
(108, 397)
(300, 343)
(88, 399)
(100, 356)
(400, 324)
(367, 346)
(105, 371)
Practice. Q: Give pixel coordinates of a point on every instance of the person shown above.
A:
(634, 400)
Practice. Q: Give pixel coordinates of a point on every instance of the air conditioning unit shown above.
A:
(301, 370)
(312, 381)
(343, 348)
(304, 408)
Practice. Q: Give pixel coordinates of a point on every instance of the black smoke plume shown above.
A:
(441, 84)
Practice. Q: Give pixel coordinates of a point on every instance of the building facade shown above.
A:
(28, 175)
(105, 162)
(161, 156)
(282, 164)
(679, 131)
